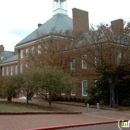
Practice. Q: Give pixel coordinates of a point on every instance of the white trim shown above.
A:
(21, 54)
(7, 71)
(12, 70)
(83, 86)
(16, 69)
(35, 41)
(8, 63)
(71, 64)
(3, 71)
(73, 87)
(82, 62)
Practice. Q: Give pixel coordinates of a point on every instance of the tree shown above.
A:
(108, 53)
(30, 79)
(11, 86)
(57, 50)
(54, 81)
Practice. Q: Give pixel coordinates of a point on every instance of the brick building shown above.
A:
(60, 21)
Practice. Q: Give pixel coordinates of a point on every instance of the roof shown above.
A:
(5, 55)
(57, 23)
(12, 59)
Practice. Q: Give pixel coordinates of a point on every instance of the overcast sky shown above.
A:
(18, 18)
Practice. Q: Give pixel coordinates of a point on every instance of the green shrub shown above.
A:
(79, 100)
(70, 99)
(83, 100)
(75, 99)
(90, 101)
(126, 103)
(66, 99)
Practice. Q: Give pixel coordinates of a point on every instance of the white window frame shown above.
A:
(7, 71)
(21, 68)
(21, 53)
(27, 51)
(33, 50)
(3, 71)
(83, 88)
(39, 49)
(16, 70)
(84, 62)
(72, 67)
(73, 87)
(11, 70)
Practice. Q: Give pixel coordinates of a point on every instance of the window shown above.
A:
(21, 53)
(21, 69)
(72, 64)
(96, 82)
(39, 49)
(7, 71)
(26, 65)
(33, 50)
(84, 88)
(84, 62)
(73, 91)
(16, 70)
(27, 52)
(12, 69)
(3, 71)
(62, 92)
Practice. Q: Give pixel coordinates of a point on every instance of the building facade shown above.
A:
(59, 22)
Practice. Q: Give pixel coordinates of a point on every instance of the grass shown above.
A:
(22, 107)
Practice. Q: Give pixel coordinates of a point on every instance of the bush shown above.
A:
(70, 99)
(83, 100)
(75, 99)
(66, 99)
(126, 103)
(90, 101)
(79, 100)
(60, 98)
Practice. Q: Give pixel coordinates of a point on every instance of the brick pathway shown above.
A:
(18, 122)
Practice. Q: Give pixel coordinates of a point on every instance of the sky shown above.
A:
(18, 18)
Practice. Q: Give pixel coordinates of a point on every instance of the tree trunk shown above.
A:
(9, 98)
(27, 98)
(50, 100)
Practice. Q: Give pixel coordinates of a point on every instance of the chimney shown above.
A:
(1, 48)
(39, 25)
(80, 21)
(117, 26)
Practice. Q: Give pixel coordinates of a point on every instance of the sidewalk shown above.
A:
(44, 121)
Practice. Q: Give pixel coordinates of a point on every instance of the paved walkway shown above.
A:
(18, 122)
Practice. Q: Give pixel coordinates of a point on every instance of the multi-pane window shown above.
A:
(27, 52)
(12, 69)
(16, 70)
(39, 49)
(84, 88)
(7, 71)
(21, 69)
(84, 62)
(73, 91)
(72, 64)
(33, 50)
(21, 53)
(3, 71)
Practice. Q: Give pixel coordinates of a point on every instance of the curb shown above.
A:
(37, 113)
(72, 125)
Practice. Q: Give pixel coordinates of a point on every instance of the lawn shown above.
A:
(22, 107)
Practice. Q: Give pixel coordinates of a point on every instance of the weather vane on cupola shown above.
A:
(59, 7)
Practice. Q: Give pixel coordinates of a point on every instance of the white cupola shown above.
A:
(59, 7)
